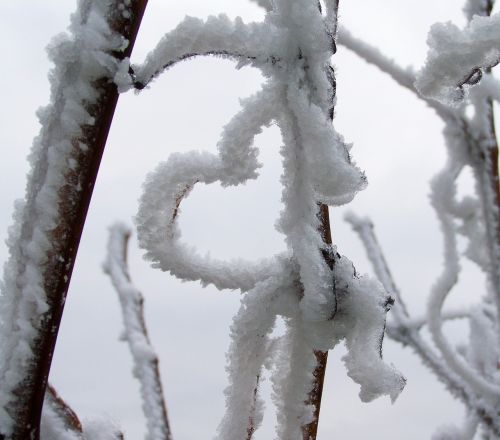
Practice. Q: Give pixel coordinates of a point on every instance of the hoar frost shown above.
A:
(458, 58)
(292, 47)
(144, 357)
(457, 77)
(81, 56)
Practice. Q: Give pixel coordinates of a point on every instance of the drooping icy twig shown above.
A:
(145, 360)
(47, 225)
(321, 302)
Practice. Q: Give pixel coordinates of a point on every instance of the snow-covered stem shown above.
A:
(457, 52)
(443, 193)
(365, 230)
(145, 360)
(372, 55)
(217, 36)
(314, 399)
(47, 225)
(310, 430)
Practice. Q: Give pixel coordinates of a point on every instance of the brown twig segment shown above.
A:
(146, 368)
(251, 417)
(73, 198)
(310, 430)
(63, 411)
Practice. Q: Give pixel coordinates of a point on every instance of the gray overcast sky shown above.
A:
(397, 142)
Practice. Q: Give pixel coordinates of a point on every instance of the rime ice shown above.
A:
(458, 58)
(321, 306)
(456, 75)
(80, 56)
(144, 357)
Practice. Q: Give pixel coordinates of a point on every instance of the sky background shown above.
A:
(397, 141)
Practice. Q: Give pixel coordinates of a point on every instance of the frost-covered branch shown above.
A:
(405, 330)
(470, 53)
(460, 61)
(219, 36)
(458, 58)
(442, 196)
(144, 357)
(372, 55)
(47, 226)
(364, 229)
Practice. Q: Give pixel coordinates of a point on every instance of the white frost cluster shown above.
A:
(80, 57)
(321, 306)
(458, 58)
